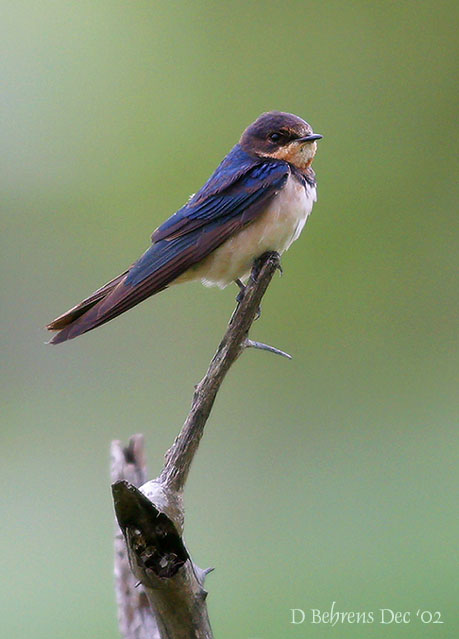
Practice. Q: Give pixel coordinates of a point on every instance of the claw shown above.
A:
(258, 262)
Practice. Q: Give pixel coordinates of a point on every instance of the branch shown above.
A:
(135, 618)
(180, 455)
(151, 519)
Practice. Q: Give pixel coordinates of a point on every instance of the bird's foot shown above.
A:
(257, 264)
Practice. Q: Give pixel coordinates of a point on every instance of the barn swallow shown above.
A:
(257, 200)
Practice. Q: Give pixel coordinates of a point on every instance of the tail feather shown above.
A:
(73, 317)
(154, 271)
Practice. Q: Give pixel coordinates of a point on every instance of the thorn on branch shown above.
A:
(250, 343)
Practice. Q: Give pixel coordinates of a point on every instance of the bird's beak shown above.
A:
(310, 138)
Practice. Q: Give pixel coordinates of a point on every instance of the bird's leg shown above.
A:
(256, 272)
(250, 343)
(240, 295)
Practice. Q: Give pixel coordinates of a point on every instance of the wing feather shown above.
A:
(205, 222)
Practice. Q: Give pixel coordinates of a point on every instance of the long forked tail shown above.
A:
(74, 322)
(162, 263)
(151, 274)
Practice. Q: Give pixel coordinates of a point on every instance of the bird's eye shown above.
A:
(275, 137)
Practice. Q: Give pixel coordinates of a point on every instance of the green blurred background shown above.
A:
(328, 478)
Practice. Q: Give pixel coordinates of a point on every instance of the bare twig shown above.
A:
(151, 519)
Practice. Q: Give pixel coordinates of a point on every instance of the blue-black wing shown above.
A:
(236, 193)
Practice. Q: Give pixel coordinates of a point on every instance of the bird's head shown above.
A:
(281, 136)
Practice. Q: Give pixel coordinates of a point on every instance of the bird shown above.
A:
(257, 201)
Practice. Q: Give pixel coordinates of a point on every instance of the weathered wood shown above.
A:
(151, 514)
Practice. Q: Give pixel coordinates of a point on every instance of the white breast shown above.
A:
(274, 230)
(286, 215)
